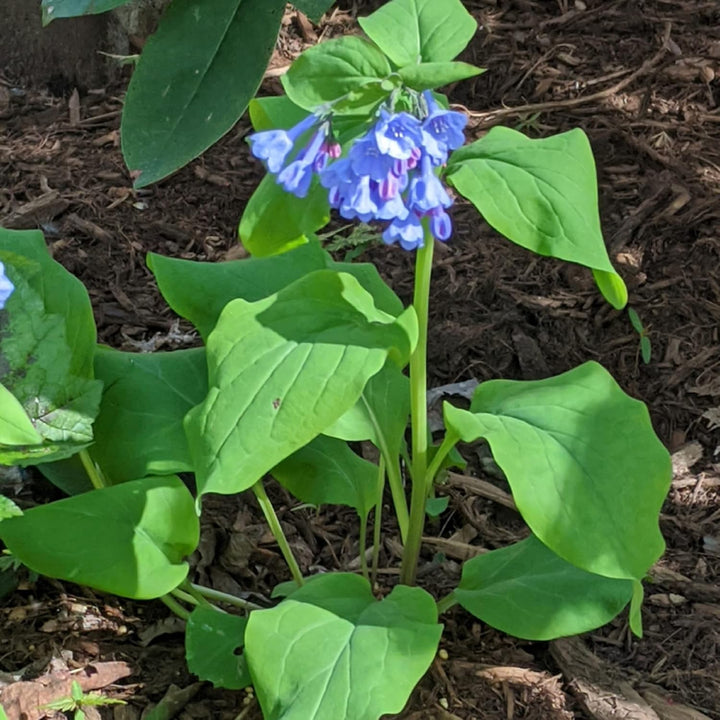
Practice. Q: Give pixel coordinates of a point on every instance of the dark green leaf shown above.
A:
(331, 651)
(212, 639)
(413, 31)
(283, 369)
(195, 78)
(54, 9)
(313, 8)
(527, 591)
(586, 470)
(541, 194)
(129, 540)
(645, 349)
(426, 76)
(139, 429)
(434, 507)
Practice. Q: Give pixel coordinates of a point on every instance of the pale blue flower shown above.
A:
(273, 146)
(6, 287)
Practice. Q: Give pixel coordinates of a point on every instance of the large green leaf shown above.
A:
(313, 8)
(332, 651)
(275, 221)
(413, 31)
(347, 67)
(212, 641)
(35, 358)
(15, 425)
(527, 591)
(139, 429)
(129, 540)
(54, 9)
(284, 368)
(194, 80)
(541, 194)
(424, 76)
(327, 471)
(61, 292)
(586, 469)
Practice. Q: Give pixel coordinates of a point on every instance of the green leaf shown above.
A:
(313, 8)
(283, 369)
(381, 414)
(540, 194)
(68, 474)
(635, 320)
(331, 651)
(635, 614)
(645, 349)
(54, 9)
(527, 591)
(587, 472)
(35, 358)
(129, 539)
(346, 67)
(8, 508)
(274, 112)
(275, 221)
(212, 639)
(434, 507)
(195, 78)
(426, 76)
(139, 429)
(15, 425)
(412, 31)
(327, 471)
(369, 277)
(61, 292)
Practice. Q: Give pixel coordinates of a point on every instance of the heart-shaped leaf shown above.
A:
(540, 194)
(129, 539)
(426, 76)
(586, 469)
(332, 651)
(283, 369)
(526, 590)
(54, 9)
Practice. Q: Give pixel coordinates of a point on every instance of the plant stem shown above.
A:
(219, 596)
(418, 412)
(363, 547)
(277, 531)
(398, 495)
(448, 443)
(175, 606)
(445, 603)
(377, 521)
(92, 471)
(186, 597)
(189, 589)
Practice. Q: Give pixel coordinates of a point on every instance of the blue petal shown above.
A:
(6, 287)
(271, 146)
(397, 135)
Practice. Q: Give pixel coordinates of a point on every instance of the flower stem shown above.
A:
(377, 522)
(175, 606)
(445, 603)
(219, 596)
(96, 478)
(363, 547)
(448, 443)
(185, 597)
(277, 531)
(418, 412)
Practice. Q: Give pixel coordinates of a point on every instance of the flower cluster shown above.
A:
(389, 174)
(6, 287)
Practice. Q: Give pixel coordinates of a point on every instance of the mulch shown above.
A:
(641, 78)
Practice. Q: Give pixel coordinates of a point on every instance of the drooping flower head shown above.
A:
(6, 286)
(390, 173)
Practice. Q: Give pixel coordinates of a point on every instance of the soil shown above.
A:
(640, 77)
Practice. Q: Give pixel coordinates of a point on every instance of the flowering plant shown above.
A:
(303, 355)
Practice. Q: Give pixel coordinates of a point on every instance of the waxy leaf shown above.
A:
(128, 540)
(275, 221)
(426, 76)
(587, 472)
(542, 195)
(313, 8)
(61, 293)
(332, 651)
(284, 368)
(347, 67)
(54, 9)
(212, 639)
(35, 357)
(139, 429)
(15, 425)
(199, 291)
(414, 31)
(195, 78)
(327, 471)
(527, 591)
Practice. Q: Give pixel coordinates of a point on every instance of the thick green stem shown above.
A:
(219, 596)
(277, 531)
(418, 412)
(398, 495)
(444, 604)
(96, 478)
(186, 597)
(363, 547)
(446, 446)
(175, 606)
(377, 522)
